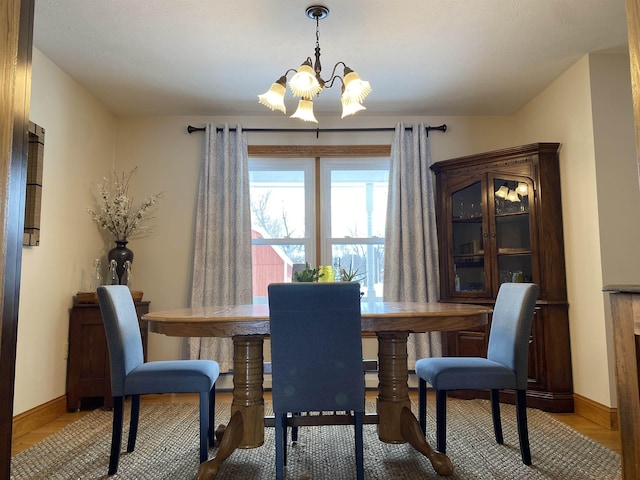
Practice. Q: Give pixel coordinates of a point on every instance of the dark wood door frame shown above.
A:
(16, 31)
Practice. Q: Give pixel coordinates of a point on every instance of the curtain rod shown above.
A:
(191, 129)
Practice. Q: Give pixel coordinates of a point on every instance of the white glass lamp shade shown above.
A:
(502, 192)
(512, 196)
(304, 83)
(522, 189)
(350, 107)
(305, 111)
(274, 97)
(354, 88)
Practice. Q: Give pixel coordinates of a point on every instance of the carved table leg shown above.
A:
(230, 441)
(396, 422)
(413, 433)
(246, 427)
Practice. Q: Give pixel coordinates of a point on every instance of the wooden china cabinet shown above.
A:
(499, 220)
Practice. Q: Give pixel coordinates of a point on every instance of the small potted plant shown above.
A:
(308, 274)
(352, 274)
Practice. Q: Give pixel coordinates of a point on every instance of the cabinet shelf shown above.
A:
(478, 254)
(514, 251)
(512, 214)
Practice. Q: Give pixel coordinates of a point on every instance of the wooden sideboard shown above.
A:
(625, 317)
(88, 372)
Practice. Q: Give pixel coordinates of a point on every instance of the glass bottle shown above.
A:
(337, 272)
(96, 280)
(113, 274)
(127, 278)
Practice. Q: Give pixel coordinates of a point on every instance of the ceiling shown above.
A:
(422, 57)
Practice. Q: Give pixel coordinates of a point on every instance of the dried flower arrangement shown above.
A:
(117, 213)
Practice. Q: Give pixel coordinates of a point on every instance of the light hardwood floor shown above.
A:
(608, 438)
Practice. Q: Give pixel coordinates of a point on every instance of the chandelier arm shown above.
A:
(333, 79)
(333, 76)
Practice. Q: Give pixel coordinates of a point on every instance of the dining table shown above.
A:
(390, 322)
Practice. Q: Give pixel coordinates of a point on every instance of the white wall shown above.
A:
(589, 110)
(617, 173)
(79, 138)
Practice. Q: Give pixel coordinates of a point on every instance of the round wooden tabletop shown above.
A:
(215, 321)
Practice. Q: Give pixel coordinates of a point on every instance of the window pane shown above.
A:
(363, 261)
(355, 213)
(273, 264)
(280, 224)
(358, 203)
(278, 203)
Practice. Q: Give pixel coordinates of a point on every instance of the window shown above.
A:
(321, 212)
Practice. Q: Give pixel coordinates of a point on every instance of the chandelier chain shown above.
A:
(318, 67)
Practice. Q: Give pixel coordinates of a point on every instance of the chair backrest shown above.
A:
(511, 328)
(316, 347)
(122, 331)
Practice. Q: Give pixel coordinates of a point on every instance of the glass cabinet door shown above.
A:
(511, 199)
(467, 240)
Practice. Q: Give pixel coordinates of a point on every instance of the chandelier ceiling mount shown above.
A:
(307, 81)
(317, 12)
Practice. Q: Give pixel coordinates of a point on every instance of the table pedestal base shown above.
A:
(246, 427)
(396, 422)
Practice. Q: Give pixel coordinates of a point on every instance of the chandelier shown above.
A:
(307, 82)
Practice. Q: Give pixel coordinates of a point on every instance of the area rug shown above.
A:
(167, 448)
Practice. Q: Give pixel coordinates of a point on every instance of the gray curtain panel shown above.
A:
(222, 253)
(411, 244)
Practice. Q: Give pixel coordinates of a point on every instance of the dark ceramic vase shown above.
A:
(120, 253)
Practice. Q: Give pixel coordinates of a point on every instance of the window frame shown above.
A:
(318, 152)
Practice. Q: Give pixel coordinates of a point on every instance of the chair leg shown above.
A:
(441, 420)
(523, 430)
(133, 423)
(358, 423)
(294, 430)
(284, 439)
(422, 405)
(204, 426)
(495, 414)
(212, 415)
(280, 425)
(116, 434)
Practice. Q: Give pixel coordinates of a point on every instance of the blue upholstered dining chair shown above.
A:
(504, 368)
(130, 375)
(316, 357)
